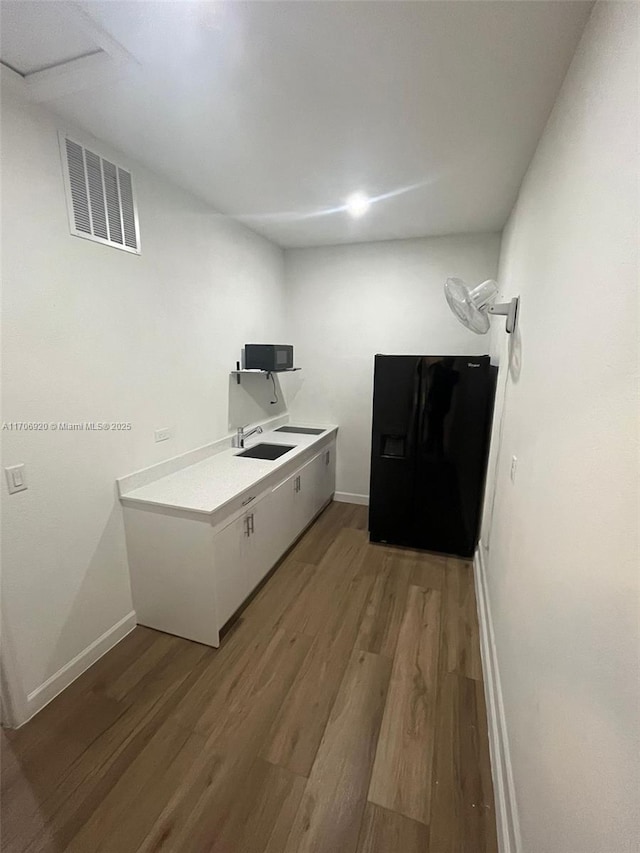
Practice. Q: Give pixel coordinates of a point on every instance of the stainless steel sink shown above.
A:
(267, 451)
(301, 430)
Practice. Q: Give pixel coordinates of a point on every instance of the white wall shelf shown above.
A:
(256, 371)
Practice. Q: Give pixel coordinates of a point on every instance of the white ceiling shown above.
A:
(35, 36)
(275, 112)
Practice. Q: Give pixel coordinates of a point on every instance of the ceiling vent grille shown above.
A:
(100, 198)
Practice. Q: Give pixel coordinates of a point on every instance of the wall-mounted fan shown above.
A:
(472, 306)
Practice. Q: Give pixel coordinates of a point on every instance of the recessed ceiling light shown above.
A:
(357, 204)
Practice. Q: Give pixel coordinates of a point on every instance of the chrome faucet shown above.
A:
(239, 437)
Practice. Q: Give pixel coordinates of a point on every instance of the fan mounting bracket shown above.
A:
(508, 310)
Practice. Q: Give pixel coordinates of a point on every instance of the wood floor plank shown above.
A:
(265, 813)
(235, 654)
(54, 717)
(217, 780)
(110, 666)
(460, 650)
(66, 738)
(312, 547)
(330, 813)
(401, 778)
(355, 516)
(317, 540)
(20, 802)
(296, 734)
(288, 808)
(339, 566)
(57, 741)
(483, 759)
(59, 813)
(261, 671)
(255, 628)
(358, 517)
(428, 570)
(382, 618)
(132, 806)
(384, 831)
(462, 813)
(140, 666)
(278, 595)
(39, 772)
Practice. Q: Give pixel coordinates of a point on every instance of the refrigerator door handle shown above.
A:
(414, 418)
(422, 405)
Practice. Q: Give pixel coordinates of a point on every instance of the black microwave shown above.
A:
(270, 357)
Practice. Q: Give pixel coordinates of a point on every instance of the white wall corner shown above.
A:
(41, 696)
(506, 809)
(13, 695)
(11, 81)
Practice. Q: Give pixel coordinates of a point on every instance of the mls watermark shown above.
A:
(66, 426)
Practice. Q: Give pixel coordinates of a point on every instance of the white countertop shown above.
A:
(208, 485)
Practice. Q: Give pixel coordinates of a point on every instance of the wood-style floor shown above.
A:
(342, 713)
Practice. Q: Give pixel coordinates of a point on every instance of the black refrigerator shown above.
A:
(430, 444)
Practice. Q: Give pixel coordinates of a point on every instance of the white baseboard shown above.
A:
(349, 498)
(503, 787)
(41, 696)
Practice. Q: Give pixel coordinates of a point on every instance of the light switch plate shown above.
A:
(514, 466)
(16, 478)
(162, 434)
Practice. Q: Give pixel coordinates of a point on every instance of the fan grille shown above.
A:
(462, 303)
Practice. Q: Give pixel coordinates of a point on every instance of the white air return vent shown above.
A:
(100, 198)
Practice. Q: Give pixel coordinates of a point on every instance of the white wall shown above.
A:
(563, 564)
(347, 303)
(92, 333)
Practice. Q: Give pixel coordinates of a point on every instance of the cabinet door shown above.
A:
(305, 493)
(268, 533)
(229, 560)
(327, 478)
(319, 482)
(278, 525)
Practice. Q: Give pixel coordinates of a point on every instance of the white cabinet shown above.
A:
(172, 574)
(305, 489)
(327, 476)
(243, 553)
(230, 568)
(316, 485)
(259, 542)
(281, 520)
(296, 501)
(189, 579)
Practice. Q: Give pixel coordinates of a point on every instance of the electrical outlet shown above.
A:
(162, 434)
(16, 478)
(514, 465)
